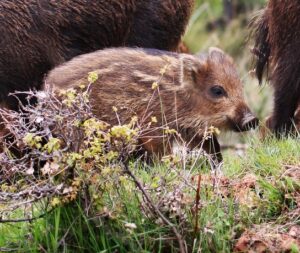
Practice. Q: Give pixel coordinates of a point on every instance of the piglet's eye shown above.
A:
(218, 91)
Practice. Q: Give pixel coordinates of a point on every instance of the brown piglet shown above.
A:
(183, 92)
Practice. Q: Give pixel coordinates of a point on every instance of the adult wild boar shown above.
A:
(184, 92)
(37, 35)
(277, 40)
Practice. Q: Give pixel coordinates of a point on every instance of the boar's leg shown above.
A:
(286, 103)
(153, 149)
(286, 82)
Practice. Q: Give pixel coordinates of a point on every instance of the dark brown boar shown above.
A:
(37, 35)
(277, 32)
(192, 93)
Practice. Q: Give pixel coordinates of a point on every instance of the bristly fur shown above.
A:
(277, 43)
(182, 100)
(261, 50)
(37, 35)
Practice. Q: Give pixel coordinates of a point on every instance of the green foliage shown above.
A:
(121, 220)
(32, 140)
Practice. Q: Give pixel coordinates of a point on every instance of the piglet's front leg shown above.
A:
(211, 146)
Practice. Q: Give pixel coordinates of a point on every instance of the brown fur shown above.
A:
(183, 100)
(183, 48)
(37, 35)
(277, 50)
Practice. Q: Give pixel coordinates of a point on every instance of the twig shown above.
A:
(8, 250)
(25, 220)
(155, 209)
(197, 204)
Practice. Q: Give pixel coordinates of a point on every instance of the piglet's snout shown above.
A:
(249, 121)
(244, 120)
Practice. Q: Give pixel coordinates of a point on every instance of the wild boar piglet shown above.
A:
(184, 92)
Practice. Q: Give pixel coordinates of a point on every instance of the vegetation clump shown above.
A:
(67, 171)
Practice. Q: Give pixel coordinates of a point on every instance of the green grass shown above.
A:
(221, 216)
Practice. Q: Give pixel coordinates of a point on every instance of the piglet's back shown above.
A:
(120, 65)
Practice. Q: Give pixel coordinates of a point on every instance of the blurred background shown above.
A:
(224, 24)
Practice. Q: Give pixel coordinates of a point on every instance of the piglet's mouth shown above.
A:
(247, 123)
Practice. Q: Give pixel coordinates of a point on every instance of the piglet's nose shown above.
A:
(249, 121)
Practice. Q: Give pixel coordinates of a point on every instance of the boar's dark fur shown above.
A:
(277, 41)
(37, 35)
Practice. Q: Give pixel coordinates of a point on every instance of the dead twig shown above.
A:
(155, 209)
(197, 202)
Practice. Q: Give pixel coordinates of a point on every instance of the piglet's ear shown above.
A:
(217, 55)
(192, 68)
(215, 52)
